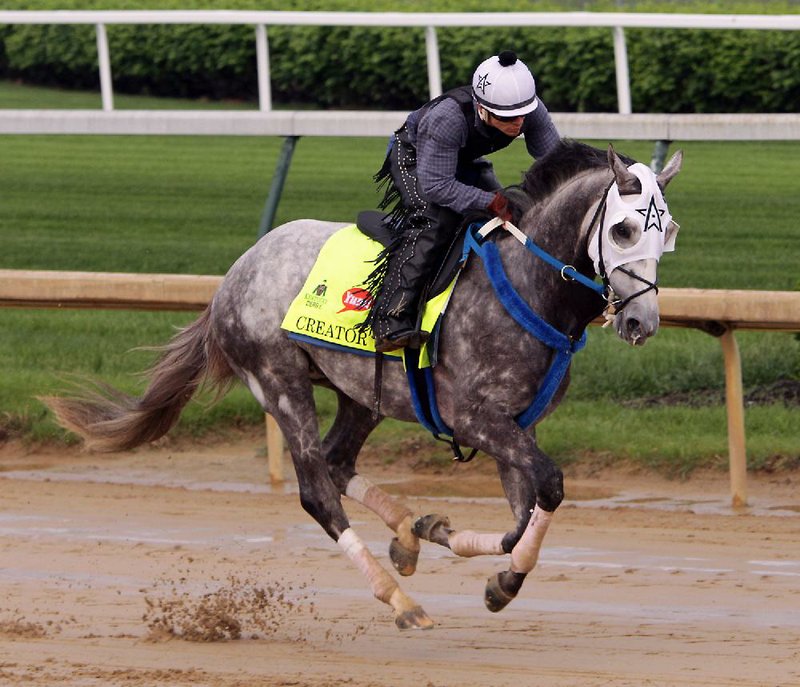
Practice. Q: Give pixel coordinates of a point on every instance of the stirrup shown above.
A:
(405, 338)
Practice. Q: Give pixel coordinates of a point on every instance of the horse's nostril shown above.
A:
(634, 326)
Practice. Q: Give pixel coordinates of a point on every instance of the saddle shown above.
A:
(373, 223)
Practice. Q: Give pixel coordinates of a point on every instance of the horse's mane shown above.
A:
(562, 163)
(548, 173)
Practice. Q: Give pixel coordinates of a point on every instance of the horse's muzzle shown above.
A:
(636, 323)
(637, 297)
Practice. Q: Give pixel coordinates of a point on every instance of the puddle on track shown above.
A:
(473, 487)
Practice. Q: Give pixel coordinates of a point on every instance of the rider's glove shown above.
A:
(499, 207)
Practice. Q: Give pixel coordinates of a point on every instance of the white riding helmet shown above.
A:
(505, 86)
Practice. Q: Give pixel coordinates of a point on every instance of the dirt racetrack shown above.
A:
(183, 567)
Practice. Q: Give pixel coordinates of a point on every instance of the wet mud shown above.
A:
(181, 567)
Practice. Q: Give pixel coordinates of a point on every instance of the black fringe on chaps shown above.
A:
(397, 216)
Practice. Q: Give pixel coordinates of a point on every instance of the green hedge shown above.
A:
(385, 68)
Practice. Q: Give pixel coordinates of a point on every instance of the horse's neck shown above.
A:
(560, 226)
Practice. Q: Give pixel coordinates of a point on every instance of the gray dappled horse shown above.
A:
(488, 367)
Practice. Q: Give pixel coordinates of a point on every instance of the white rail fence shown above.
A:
(623, 125)
(600, 126)
(616, 21)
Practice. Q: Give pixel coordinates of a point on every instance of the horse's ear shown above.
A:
(627, 182)
(671, 169)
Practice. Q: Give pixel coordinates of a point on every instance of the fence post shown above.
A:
(734, 401)
(434, 67)
(276, 189)
(274, 450)
(104, 63)
(262, 65)
(660, 150)
(621, 65)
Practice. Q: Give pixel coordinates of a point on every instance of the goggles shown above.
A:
(506, 120)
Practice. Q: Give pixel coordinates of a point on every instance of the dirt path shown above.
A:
(641, 582)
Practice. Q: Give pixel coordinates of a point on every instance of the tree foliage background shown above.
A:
(672, 70)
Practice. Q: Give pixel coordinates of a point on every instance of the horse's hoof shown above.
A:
(403, 559)
(434, 528)
(501, 590)
(414, 619)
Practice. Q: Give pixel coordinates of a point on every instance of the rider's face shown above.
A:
(510, 126)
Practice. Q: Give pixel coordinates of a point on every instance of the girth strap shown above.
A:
(426, 408)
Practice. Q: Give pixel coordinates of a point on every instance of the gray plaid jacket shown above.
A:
(439, 134)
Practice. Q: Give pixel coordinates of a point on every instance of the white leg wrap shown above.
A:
(526, 552)
(357, 487)
(378, 501)
(467, 543)
(381, 582)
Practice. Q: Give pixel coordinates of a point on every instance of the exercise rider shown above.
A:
(435, 173)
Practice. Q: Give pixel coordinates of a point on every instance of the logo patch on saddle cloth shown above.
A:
(334, 301)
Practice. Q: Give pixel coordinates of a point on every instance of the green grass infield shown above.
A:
(193, 204)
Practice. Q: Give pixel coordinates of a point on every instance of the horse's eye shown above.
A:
(623, 234)
(621, 231)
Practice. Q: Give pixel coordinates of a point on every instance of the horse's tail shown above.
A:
(109, 420)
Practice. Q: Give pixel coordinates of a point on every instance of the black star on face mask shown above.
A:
(652, 215)
(483, 82)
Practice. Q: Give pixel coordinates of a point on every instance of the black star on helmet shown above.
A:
(483, 82)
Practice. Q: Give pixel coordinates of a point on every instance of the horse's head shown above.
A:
(635, 229)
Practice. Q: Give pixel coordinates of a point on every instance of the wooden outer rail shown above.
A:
(717, 312)
(106, 290)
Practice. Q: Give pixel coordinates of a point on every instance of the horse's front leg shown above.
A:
(534, 487)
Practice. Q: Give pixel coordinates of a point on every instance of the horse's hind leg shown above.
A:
(291, 402)
(340, 447)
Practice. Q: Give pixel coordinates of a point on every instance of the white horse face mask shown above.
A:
(635, 227)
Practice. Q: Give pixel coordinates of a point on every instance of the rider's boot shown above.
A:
(396, 322)
(398, 327)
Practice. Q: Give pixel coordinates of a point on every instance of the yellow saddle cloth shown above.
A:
(334, 301)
